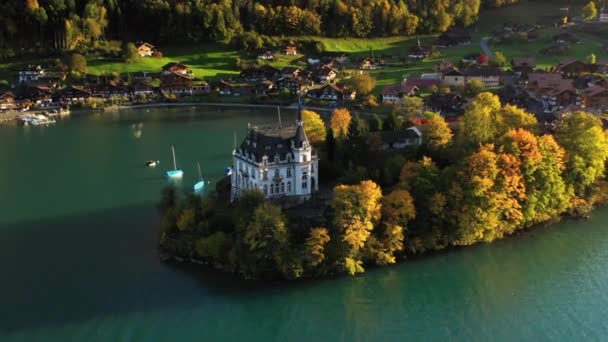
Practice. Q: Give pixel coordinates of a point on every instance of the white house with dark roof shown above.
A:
(277, 160)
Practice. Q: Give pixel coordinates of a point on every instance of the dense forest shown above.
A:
(64, 24)
(499, 174)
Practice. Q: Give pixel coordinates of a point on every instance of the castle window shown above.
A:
(279, 145)
(282, 187)
(289, 158)
(265, 174)
(276, 173)
(276, 158)
(265, 190)
(288, 186)
(288, 172)
(305, 157)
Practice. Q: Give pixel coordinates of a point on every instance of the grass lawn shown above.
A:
(208, 60)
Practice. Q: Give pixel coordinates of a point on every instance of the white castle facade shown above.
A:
(279, 161)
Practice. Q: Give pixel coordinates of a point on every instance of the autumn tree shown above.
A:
(582, 136)
(589, 11)
(436, 133)
(478, 125)
(266, 240)
(499, 59)
(362, 83)
(473, 87)
(340, 121)
(314, 126)
(357, 210)
(130, 53)
(315, 246)
(77, 64)
(591, 59)
(412, 107)
(374, 123)
(512, 117)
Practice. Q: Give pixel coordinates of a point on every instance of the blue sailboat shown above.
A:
(175, 173)
(200, 185)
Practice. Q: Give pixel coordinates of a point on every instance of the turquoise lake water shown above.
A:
(78, 237)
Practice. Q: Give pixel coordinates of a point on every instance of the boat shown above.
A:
(175, 173)
(201, 183)
(152, 163)
(228, 171)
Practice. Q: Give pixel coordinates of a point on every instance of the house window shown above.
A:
(289, 158)
(265, 190)
(304, 180)
(272, 189)
(305, 157)
(267, 147)
(282, 187)
(288, 172)
(288, 186)
(276, 159)
(276, 173)
(265, 174)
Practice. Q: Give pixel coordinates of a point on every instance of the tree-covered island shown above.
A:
(495, 174)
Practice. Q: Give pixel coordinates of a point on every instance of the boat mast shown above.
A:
(174, 164)
(200, 175)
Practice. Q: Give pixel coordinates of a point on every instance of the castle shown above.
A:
(277, 160)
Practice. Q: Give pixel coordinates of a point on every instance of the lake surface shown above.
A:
(78, 258)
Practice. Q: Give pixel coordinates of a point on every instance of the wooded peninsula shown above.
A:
(500, 173)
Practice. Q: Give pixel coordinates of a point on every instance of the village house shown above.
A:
(419, 51)
(324, 73)
(266, 56)
(224, 87)
(447, 104)
(454, 36)
(523, 65)
(395, 93)
(265, 72)
(573, 68)
(292, 72)
(177, 84)
(290, 50)
(38, 94)
(595, 97)
(74, 93)
(277, 160)
(145, 49)
(396, 140)
(489, 76)
(266, 87)
(32, 73)
(176, 68)
(553, 90)
(367, 64)
(294, 85)
(420, 84)
(7, 101)
(338, 57)
(443, 65)
(142, 88)
(109, 90)
(452, 77)
(333, 92)
(201, 89)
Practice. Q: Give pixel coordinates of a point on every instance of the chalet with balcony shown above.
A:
(7, 101)
(177, 84)
(74, 93)
(448, 104)
(324, 73)
(420, 51)
(367, 63)
(176, 68)
(553, 90)
(145, 49)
